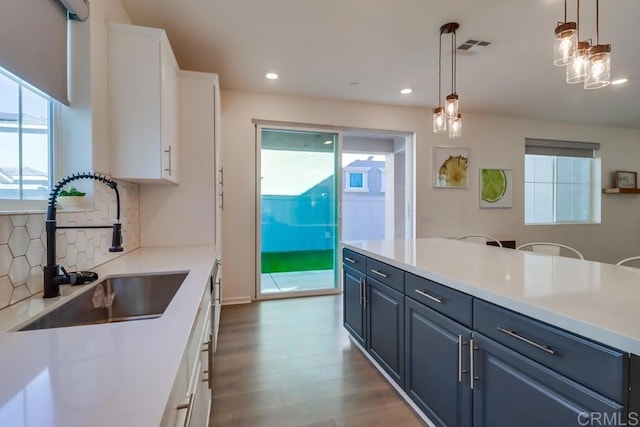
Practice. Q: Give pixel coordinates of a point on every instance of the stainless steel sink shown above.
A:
(116, 299)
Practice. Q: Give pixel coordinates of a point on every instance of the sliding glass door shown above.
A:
(297, 212)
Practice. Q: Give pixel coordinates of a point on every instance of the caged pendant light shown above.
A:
(448, 115)
(598, 60)
(566, 40)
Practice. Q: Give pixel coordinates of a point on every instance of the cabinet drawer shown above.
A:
(454, 304)
(386, 274)
(354, 260)
(598, 367)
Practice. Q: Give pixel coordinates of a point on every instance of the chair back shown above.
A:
(550, 248)
(479, 237)
(630, 260)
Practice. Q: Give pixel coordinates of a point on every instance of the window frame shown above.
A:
(21, 205)
(365, 179)
(594, 193)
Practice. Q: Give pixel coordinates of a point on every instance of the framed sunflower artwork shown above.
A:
(450, 167)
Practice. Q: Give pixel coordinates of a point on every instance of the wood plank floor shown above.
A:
(290, 363)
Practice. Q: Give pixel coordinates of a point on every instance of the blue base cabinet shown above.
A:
(353, 303)
(513, 390)
(385, 323)
(466, 362)
(437, 357)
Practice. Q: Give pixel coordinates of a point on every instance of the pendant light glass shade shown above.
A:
(598, 67)
(577, 68)
(566, 42)
(455, 127)
(451, 106)
(439, 120)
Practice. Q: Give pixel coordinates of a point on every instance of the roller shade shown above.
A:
(33, 42)
(552, 147)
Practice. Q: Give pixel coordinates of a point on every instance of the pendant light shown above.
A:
(566, 40)
(448, 115)
(577, 67)
(598, 60)
(451, 106)
(455, 127)
(439, 119)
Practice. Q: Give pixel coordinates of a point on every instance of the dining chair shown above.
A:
(627, 260)
(472, 237)
(550, 248)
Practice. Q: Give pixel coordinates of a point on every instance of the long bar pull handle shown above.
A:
(361, 291)
(210, 367)
(513, 334)
(472, 373)
(351, 260)
(364, 292)
(431, 297)
(460, 370)
(189, 407)
(379, 273)
(169, 153)
(221, 176)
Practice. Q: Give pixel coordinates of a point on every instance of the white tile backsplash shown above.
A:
(23, 241)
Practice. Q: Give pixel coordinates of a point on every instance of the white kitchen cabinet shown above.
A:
(190, 399)
(143, 105)
(194, 201)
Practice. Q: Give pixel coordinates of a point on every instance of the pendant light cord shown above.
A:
(455, 61)
(440, 71)
(453, 66)
(597, 22)
(565, 10)
(578, 23)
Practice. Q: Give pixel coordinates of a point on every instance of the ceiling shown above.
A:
(367, 50)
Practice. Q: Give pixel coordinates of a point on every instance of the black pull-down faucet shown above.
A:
(52, 277)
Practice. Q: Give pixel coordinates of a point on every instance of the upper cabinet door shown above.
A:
(143, 105)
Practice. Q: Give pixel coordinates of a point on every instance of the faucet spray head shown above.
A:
(116, 238)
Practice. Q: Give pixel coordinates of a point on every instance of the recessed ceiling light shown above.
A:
(328, 142)
(406, 91)
(619, 81)
(271, 76)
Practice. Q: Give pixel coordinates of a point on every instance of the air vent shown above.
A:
(471, 47)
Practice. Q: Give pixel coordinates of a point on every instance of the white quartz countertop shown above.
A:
(596, 300)
(117, 374)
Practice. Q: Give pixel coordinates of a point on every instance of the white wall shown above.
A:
(494, 142)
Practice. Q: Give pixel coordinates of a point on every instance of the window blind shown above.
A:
(33, 42)
(551, 147)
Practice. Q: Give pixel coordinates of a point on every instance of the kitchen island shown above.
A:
(114, 374)
(481, 335)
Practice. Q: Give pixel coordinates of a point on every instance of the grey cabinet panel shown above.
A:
(433, 365)
(385, 323)
(451, 303)
(600, 368)
(389, 275)
(354, 260)
(513, 390)
(353, 303)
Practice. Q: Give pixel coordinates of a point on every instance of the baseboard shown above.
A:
(395, 385)
(236, 300)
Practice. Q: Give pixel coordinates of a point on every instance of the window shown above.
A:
(559, 187)
(383, 179)
(25, 141)
(356, 179)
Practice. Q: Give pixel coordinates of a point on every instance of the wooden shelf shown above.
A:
(621, 190)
